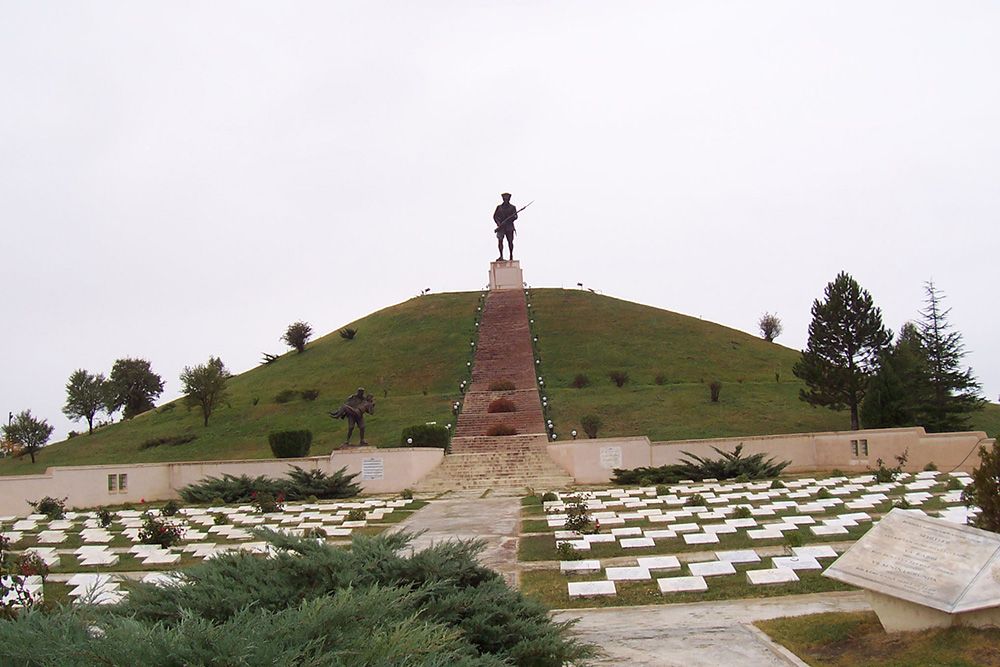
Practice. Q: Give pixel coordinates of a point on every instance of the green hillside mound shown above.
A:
(413, 356)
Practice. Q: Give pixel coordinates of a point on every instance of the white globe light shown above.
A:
(409, 441)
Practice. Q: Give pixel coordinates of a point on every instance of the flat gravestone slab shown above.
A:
(821, 531)
(600, 538)
(659, 534)
(796, 563)
(818, 551)
(659, 562)
(774, 576)
(626, 532)
(682, 585)
(926, 561)
(738, 556)
(579, 566)
(581, 589)
(627, 574)
(636, 542)
(701, 538)
(711, 568)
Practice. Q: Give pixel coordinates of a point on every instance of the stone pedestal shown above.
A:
(506, 275)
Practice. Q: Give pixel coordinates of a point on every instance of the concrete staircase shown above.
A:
(512, 463)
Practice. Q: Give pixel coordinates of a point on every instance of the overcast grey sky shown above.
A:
(185, 179)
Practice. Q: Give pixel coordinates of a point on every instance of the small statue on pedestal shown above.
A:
(353, 410)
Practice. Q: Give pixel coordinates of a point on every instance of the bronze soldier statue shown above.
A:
(504, 217)
(353, 410)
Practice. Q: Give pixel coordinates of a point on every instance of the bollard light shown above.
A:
(409, 441)
(574, 434)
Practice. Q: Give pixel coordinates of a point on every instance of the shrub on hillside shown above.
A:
(501, 405)
(290, 444)
(348, 334)
(310, 603)
(715, 388)
(619, 378)
(167, 440)
(500, 429)
(310, 394)
(661, 378)
(300, 484)
(286, 396)
(730, 466)
(297, 335)
(580, 381)
(591, 424)
(502, 385)
(424, 435)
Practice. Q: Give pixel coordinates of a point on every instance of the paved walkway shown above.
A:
(495, 520)
(686, 635)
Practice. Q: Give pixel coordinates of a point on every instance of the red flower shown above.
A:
(143, 500)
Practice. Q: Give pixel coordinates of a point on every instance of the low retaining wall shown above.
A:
(380, 471)
(592, 461)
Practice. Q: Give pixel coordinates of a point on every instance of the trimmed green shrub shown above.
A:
(696, 500)
(500, 429)
(406, 494)
(290, 444)
(549, 497)
(425, 435)
(930, 467)
(356, 514)
(315, 484)
(591, 424)
(742, 512)
(502, 385)
(580, 381)
(501, 405)
(310, 394)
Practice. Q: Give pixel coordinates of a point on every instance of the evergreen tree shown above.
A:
(846, 337)
(899, 389)
(85, 396)
(954, 393)
(205, 386)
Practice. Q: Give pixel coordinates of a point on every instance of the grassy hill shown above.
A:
(412, 356)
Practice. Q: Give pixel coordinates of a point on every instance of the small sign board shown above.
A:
(927, 561)
(611, 457)
(372, 468)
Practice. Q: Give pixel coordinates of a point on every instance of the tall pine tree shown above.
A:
(846, 337)
(954, 393)
(897, 393)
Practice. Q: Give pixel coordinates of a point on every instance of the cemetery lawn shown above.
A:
(850, 639)
(412, 357)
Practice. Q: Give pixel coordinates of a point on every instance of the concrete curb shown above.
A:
(777, 649)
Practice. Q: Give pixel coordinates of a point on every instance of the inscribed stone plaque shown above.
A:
(611, 457)
(927, 561)
(372, 468)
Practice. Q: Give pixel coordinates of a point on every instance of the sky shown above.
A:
(184, 180)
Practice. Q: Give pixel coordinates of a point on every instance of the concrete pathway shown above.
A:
(702, 634)
(495, 520)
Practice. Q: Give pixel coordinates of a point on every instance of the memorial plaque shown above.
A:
(372, 468)
(926, 561)
(611, 457)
